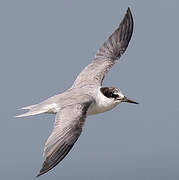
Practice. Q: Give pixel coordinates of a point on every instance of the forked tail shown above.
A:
(33, 110)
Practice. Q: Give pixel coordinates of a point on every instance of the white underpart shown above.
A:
(102, 104)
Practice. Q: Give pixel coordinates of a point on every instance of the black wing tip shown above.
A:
(129, 10)
(48, 166)
(43, 170)
(39, 174)
(129, 14)
(129, 23)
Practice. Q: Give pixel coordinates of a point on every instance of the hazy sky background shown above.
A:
(45, 44)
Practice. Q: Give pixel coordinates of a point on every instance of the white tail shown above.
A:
(31, 113)
(33, 110)
(29, 107)
(38, 109)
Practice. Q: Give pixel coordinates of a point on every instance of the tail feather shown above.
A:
(38, 109)
(29, 107)
(31, 113)
(33, 110)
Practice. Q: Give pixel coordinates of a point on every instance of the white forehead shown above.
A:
(119, 92)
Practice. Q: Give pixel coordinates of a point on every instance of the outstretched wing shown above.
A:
(68, 126)
(107, 55)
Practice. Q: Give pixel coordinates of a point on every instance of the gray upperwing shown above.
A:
(67, 128)
(106, 56)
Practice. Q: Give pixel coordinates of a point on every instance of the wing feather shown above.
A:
(67, 128)
(107, 55)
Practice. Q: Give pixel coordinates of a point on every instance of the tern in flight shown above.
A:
(85, 97)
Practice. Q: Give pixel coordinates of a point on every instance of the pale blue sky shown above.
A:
(45, 44)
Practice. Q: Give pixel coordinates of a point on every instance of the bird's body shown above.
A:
(53, 104)
(85, 97)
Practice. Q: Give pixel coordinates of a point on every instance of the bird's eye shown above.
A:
(114, 95)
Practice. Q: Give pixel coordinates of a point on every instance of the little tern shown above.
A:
(85, 97)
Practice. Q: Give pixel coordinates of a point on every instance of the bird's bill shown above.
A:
(125, 99)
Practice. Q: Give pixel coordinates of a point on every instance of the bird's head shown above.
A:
(116, 94)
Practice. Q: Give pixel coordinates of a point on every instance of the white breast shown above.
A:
(102, 104)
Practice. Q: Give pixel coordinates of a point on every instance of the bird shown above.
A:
(85, 97)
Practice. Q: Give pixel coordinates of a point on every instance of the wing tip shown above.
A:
(128, 22)
(128, 10)
(39, 174)
(45, 168)
(129, 14)
(42, 170)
